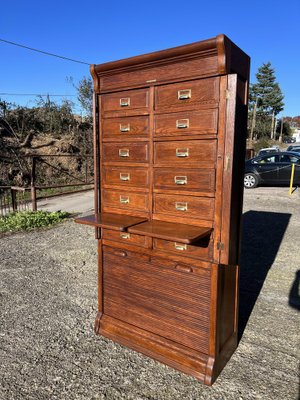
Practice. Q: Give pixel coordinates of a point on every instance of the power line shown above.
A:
(43, 52)
(37, 94)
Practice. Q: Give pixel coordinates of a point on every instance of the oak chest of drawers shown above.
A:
(169, 146)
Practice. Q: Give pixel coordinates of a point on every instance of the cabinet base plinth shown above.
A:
(177, 356)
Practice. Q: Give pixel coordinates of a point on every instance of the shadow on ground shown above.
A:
(262, 235)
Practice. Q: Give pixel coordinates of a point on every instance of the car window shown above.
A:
(294, 159)
(268, 160)
(285, 159)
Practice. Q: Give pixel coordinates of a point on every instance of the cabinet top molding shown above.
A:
(225, 57)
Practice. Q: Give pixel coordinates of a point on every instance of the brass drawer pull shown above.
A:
(124, 199)
(181, 206)
(124, 177)
(125, 102)
(124, 235)
(182, 152)
(184, 94)
(182, 123)
(180, 180)
(180, 246)
(124, 152)
(124, 128)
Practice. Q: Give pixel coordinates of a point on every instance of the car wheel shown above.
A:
(250, 181)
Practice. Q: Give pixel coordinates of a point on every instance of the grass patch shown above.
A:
(26, 220)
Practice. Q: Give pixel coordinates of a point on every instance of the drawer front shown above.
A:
(200, 180)
(186, 123)
(203, 91)
(125, 237)
(184, 206)
(195, 152)
(125, 152)
(125, 101)
(126, 126)
(126, 176)
(202, 249)
(199, 67)
(158, 298)
(126, 200)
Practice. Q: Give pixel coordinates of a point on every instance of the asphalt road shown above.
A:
(48, 302)
(73, 203)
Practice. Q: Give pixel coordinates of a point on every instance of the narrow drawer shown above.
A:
(125, 200)
(125, 152)
(186, 123)
(203, 91)
(125, 101)
(126, 126)
(125, 237)
(195, 152)
(126, 176)
(194, 180)
(184, 206)
(202, 249)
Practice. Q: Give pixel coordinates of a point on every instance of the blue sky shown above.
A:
(100, 31)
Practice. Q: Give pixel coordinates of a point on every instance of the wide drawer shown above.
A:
(125, 101)
(129, 152)
(161, 297)
(126, 176)
(195, 152)
(202, 249)
(125, 237)
(126, 126)
(193, 180)
(186, 123)
(125, 200)
(184, 94)
(184, 206)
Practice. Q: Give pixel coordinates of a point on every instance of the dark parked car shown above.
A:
(294, 147)
(272, 169)
(289, 139)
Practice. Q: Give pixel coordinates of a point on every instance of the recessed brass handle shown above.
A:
(182, 123)
(124, 152)
(179, 246)
(124, 199)
(181, 206)
(124, 176)
(125, 102)
(124, 235)
(180, 180)
(124, 128)
(182, 152)
(184, 94)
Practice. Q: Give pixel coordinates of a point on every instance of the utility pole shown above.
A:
(281, 129)
(253, 120)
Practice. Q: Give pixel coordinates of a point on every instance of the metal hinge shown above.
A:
(220, 246)
(227, 94)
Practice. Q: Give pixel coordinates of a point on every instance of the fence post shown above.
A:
(14, 200)
(32, 184)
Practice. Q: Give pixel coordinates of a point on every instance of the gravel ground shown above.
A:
(48, 304)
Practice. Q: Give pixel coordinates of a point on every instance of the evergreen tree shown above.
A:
(265, 100)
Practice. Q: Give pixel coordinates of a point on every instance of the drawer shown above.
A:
(194, 180)
(125, 237)
(125, 101)
(183, 94)
(195, 152)
(125, 200)
(186, 123)
(202, 249)
(126, 126)
(126, 176)
(184, 206)
(125, 152)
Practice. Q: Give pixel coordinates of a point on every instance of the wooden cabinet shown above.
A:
(169, 146)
